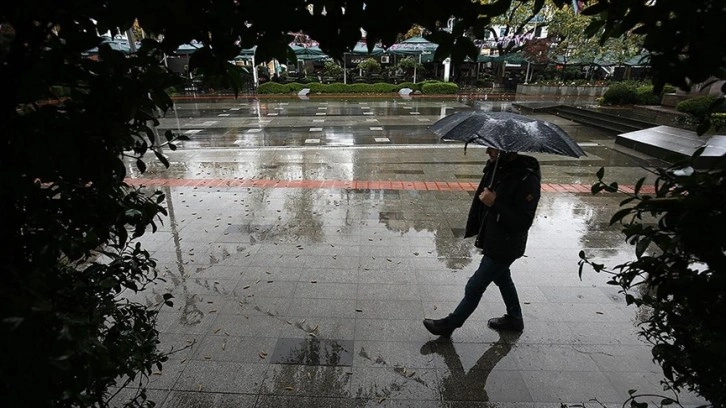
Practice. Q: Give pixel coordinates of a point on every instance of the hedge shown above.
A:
(439, 88)
(626, 93)
(700, 106)
(428, 87)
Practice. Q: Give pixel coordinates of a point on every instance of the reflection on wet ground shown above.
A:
(301, 274)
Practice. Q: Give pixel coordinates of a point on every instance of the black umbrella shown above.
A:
(506, 131)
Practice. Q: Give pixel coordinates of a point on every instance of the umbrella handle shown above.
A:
(494, 173)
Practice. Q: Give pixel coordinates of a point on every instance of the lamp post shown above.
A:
(345, 69)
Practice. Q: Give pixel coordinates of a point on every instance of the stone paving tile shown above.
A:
(357, 244)
(186, 399)
(222, 377)
(309, 381)
(395, 383)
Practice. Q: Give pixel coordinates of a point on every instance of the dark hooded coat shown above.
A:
(502, 229)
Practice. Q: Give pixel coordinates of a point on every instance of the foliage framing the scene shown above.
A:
(70, 122)
(679, 273)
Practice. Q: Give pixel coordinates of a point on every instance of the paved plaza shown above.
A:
(308, 239)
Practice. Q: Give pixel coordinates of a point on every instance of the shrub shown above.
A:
(383, 87)
(337, 87)
(411, 85)
(359, 88)
(369, 65)
(718, 121)
(620, 94)
(700, 106)
(317, 87)
(273, 88)
(646, 95)
(439, 88)
(331, 69)
(408, 63)
(296, 87)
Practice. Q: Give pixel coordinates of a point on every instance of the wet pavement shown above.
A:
(307, 239)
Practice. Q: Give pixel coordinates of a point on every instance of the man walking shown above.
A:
(500, 216)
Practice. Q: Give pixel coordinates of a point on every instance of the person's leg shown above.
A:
(509, 294)
(489, 271)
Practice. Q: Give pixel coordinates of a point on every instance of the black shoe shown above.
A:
(506, 323)
(438, 327)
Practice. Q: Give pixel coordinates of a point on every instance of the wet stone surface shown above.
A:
(301, 272)
(313, 351)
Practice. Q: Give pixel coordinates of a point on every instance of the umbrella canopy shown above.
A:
(509, 132)
(312, 53)
(415, 46)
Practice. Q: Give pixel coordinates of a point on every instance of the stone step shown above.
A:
(672, 144)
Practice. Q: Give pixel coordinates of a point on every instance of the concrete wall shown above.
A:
(537, 90)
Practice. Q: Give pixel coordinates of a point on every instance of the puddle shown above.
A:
(313, 352)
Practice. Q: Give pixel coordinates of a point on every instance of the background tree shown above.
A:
(369, 66)
(572, 46)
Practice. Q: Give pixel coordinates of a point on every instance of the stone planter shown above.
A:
(561, 90)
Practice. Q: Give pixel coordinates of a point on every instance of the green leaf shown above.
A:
(642, 246)
(141, 165)
(619, 215)
(639, 185)
(594, 28)
(600, 173)
(162, 159)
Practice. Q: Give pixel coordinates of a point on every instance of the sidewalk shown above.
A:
(301, 274)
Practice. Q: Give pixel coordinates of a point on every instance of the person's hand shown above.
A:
(487, 197)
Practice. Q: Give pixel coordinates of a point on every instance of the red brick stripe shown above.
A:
(357, 184)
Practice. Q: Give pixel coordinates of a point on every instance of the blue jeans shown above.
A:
(490, 270)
